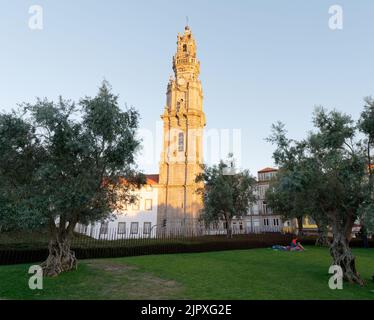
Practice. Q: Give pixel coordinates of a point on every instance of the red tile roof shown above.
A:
(152, 178)
(267, 170)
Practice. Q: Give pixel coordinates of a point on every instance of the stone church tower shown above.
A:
(182, 156)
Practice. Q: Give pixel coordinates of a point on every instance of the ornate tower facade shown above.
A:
(184, 120)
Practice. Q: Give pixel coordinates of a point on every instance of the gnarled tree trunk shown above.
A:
(341, 252)
(60, 258)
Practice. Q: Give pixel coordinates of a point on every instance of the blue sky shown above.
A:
(261, 61)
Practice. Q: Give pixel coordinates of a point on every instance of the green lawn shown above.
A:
(247, 274)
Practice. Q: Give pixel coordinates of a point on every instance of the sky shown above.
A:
(261, 62)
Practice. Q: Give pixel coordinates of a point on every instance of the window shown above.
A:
(276, 222)
(135, 206)
(234, 226)
(164, 223)
(148, 204)
(134, 227)
(266, 222)
(184, 48)
(147, 228)
(264, 208)
(180, 141)
(104, 228)
(121, 227)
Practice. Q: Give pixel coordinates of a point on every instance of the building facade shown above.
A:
(263, 218)
(137, 220)
(260, 217)
(184, 120)
(169, 202)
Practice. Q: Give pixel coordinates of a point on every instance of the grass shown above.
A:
(245, 274)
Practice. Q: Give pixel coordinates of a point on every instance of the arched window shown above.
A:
(180, 141)
(184, 48)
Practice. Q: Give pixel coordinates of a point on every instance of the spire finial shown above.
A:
(187, 26)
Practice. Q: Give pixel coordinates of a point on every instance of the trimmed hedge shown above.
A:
(355, 243)
(152, 247)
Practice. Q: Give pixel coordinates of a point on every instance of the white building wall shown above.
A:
(136, 221)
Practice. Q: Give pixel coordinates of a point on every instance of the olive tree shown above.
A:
(366, 126)
(65, 163)
(325, 176)
(227, 193)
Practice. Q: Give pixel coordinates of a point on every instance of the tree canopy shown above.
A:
(226, 193)
(65, 163)
(366, 126)
(324, 176)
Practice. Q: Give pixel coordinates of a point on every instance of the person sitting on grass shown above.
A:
(296, 245)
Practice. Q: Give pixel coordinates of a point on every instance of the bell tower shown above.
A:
(182, 155)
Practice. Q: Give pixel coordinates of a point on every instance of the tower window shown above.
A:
(181, 141)
(197, 148)
(184, 48)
